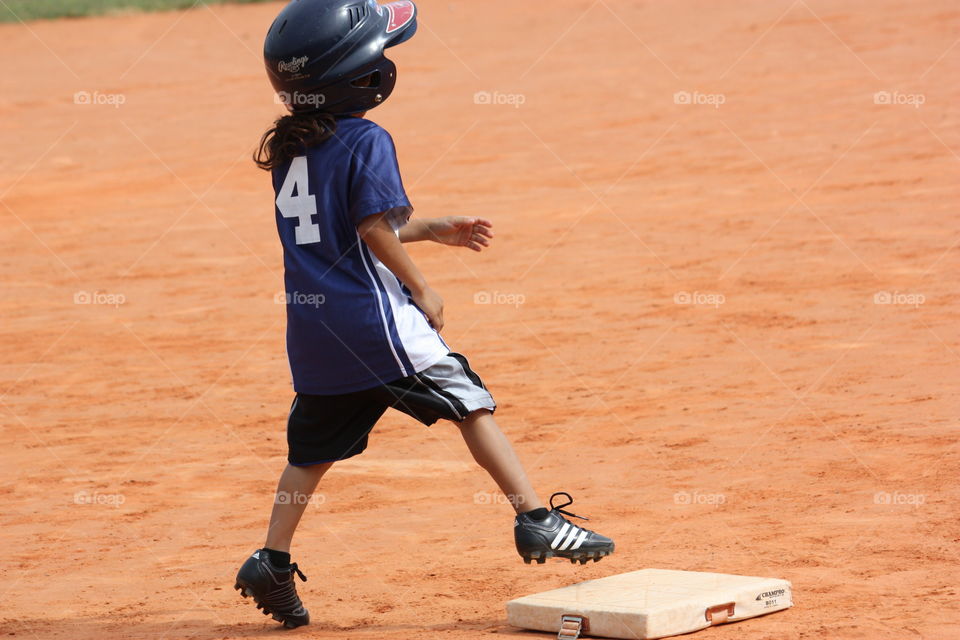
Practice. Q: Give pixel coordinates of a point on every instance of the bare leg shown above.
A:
(293, 494)
(493, 452)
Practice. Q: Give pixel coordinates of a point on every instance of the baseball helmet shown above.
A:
(327, 55)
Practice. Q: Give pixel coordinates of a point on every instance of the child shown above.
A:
(362, 322)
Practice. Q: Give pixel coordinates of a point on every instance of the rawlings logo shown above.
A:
(293, 66)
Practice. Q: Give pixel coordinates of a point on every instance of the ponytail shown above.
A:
(290, 136)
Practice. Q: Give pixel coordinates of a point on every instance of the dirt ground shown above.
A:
(721, 310)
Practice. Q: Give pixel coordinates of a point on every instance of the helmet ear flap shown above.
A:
(371, 80)
(366, 90)
(387, 71)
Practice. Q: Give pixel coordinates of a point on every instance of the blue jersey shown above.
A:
(351, 324)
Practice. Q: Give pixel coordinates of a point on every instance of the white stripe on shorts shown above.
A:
(448, 373)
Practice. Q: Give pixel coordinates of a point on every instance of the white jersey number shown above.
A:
(302, 206)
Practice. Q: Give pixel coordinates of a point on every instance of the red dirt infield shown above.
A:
(720, 310)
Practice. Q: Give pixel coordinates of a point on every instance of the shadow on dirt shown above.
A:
(114, 627)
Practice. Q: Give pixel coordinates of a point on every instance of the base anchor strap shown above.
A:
(571, 627)
(720, 613)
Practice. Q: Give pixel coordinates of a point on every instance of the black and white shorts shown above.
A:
(336, 427)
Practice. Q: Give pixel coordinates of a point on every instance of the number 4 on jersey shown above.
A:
(302, 206)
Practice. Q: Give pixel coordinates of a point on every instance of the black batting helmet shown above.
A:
(327, 55)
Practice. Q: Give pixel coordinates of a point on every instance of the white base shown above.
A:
(652, 603)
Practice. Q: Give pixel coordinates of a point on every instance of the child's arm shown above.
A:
(415, 230)
(377, 233)
(458, 231)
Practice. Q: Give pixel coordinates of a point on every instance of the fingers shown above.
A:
(436, 320)
(436, 315)
(473, 233)
(479, 224)
(483, 227)
(478, 241)
(480, 234)
(486, 232)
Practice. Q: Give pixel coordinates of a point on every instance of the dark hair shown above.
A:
(290, 136)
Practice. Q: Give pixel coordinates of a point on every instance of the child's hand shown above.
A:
(431, 304)
(461, 231)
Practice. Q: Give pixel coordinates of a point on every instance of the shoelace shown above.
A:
(296, 569)
(560, 508)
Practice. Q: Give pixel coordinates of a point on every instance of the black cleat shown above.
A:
(555, 536)
(273, 590)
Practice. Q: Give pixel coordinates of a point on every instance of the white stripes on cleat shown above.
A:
(572, 532)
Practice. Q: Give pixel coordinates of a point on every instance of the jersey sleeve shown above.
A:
(375, 184)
